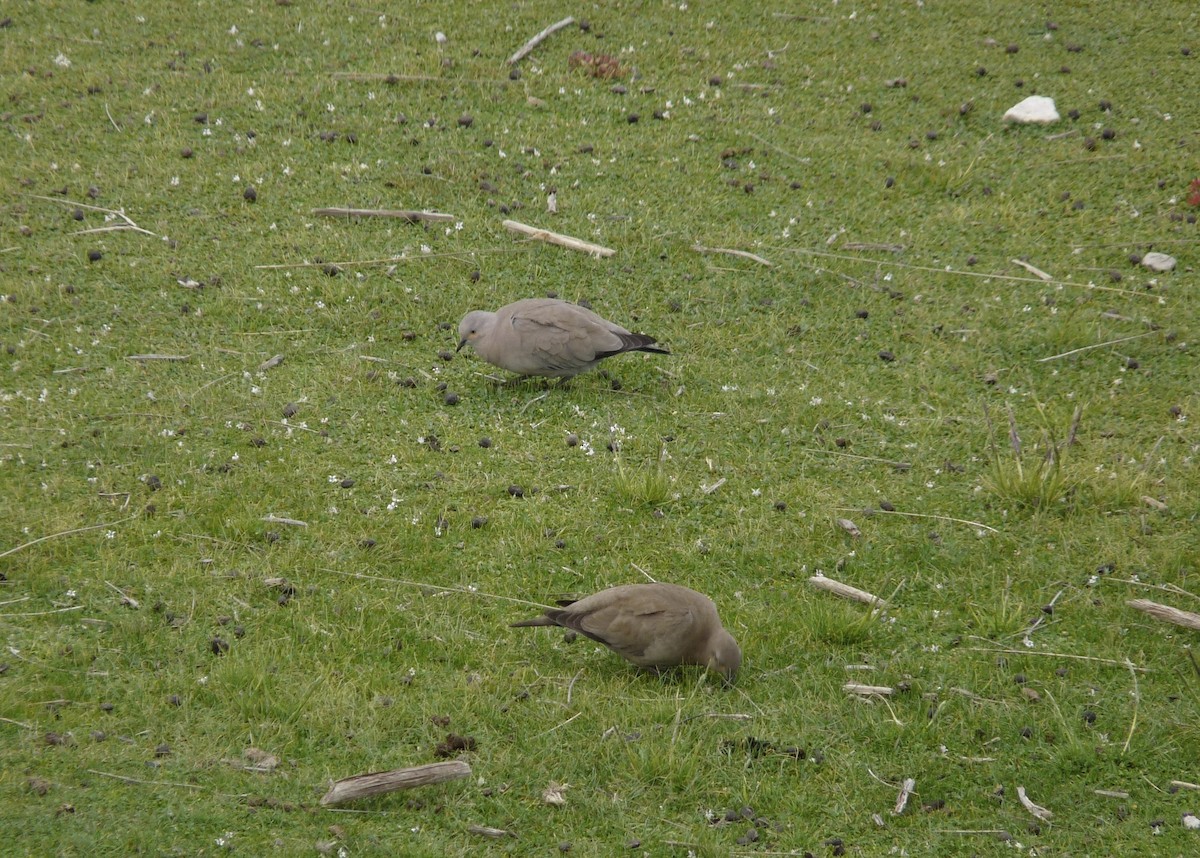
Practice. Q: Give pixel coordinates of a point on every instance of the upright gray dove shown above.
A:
(547, 337)
(651, 625)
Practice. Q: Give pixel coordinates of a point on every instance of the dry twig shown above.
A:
(272, 518)
(967, 521)
(378, 783)
(1036, 809)
(906, 789)
(845, 590)
(402, 214)
(63, 533)
(559, 239)
(1036, 272)
(744, 254)
(129, 780)
(1165, 613)
(127, 221)
(488, 831)
(528, 47)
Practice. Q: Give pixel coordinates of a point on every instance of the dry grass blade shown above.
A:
(63, 533)
(743, 254)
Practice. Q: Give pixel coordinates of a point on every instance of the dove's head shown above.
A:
(474, 325)
(724, 655)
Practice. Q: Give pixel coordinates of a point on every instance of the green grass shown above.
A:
(1013, 656)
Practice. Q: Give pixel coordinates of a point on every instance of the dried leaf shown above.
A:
(553, 794)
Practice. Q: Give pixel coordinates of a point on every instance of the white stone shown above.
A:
(1036, 108)
(1156, 261)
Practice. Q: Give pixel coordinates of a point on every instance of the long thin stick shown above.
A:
(42, 613)
(983, 274)
(130, 780)
(389, 77)
(168, 358)
(744, 254)
(64, 533)
(526, 48)
(1032, 269)
(1096, 346)
(846, 591)
(457, 254)
(978, 524)
(403, 214)
(129, 224)
(558, 238)
(429, 586)
(892, 462)
(1091, 658)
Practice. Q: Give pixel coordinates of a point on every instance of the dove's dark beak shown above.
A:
(461, 343)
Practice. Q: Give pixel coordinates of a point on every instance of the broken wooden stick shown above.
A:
(1166, 613)
(845, 590)
(378, 783)
(402, 214)
(272, 518)
(158, 357)
(488, 831)
(1036, 809)
(1036, 272)
(557, 238)
(867, 690)
(744, 254)
(528, 47)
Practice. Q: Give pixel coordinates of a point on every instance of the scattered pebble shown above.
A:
(1160, 262)
(250, 194)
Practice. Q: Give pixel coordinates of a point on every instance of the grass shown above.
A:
(840, 382)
